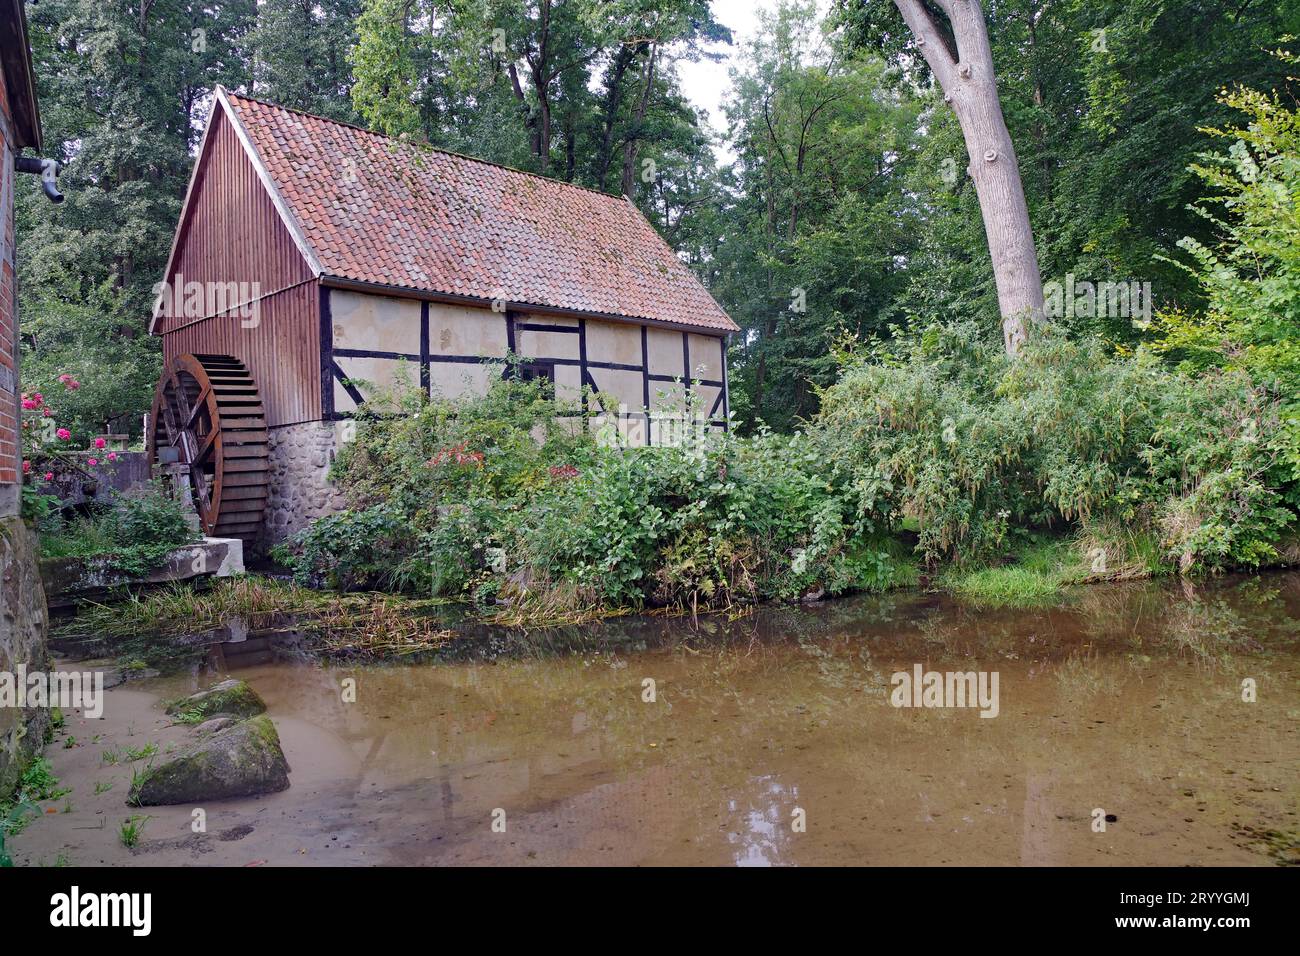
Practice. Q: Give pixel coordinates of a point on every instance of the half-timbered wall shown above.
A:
(645, 377)
(233, 234)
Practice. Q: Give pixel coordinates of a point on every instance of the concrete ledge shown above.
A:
(70, 580)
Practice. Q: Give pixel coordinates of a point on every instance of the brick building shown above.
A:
(22, 601)
(19, 128)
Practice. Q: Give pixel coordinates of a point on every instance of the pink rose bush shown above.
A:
(41, 439)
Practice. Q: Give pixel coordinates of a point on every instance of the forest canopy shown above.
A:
(834, 206)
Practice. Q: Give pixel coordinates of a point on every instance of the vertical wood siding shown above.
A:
(234, 234)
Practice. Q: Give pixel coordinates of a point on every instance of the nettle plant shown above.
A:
(430, 484)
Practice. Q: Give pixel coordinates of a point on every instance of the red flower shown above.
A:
(27, 466)
(100, 443)
(457, 452)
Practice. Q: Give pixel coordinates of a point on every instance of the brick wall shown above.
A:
(23, 617)
(10, 452)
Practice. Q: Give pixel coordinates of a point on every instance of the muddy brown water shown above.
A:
(771, 739)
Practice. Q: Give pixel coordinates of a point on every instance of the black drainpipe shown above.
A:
(47, 169)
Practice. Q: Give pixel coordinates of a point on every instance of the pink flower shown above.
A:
(46, 413)
(112, 456)
(63, 434)
(30, 404)
(38, 398)
(94, 462)
(49, 476)
(100, 443)
(27, 466)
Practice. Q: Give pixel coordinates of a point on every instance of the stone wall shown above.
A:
(22, 641)
(301, 456)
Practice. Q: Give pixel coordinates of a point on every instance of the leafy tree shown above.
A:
(1106, 103)
(577, 89)
(300, 50)
(815, 223)
(1249, 274)
(123, 89)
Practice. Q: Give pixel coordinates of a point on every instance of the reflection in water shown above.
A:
(766, 821)
(1125, 699)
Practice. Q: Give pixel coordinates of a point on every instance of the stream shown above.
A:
(1137, 723)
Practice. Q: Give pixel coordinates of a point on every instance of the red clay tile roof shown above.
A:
(377, 210)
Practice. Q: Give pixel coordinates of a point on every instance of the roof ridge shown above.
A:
(428, 146)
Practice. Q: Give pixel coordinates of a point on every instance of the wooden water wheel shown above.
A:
(207, 415)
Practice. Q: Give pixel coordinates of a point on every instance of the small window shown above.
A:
(535, 371)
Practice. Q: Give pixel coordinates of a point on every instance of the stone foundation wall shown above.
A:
(301, 456)
(23, 624)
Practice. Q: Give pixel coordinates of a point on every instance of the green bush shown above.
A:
(511, 497)
(514, 495)
(977, 448)
(1249, 277)
(134, 534)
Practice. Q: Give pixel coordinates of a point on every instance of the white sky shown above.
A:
(705, 83)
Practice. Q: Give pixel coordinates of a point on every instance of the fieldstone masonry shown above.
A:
(301, 491)
(22, 641)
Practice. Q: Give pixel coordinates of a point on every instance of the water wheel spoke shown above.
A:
(205, 447)
(200, 404)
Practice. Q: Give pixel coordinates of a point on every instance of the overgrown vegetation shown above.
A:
(143, 627)
(36, 783)
(133, 535)
(938, 451)
(981, 449)
(515, 498)
(1249, 274)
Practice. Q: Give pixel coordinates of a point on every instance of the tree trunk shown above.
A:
(612, 97)
(634, 136)
(970, 87)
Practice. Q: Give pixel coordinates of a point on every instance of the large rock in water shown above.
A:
(241, 761)
(233, 697)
